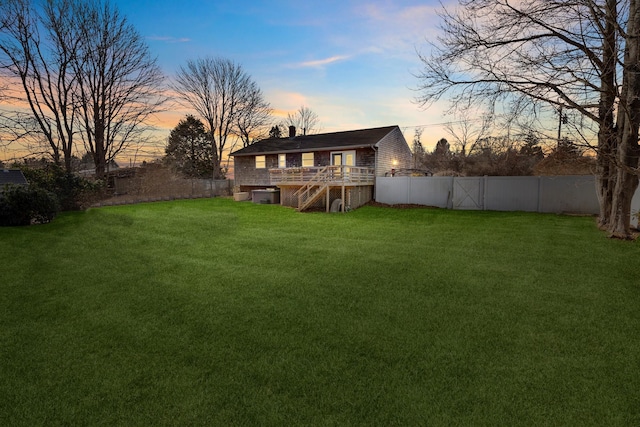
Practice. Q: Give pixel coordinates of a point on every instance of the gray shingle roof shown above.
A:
(12, 176)
(322, 141)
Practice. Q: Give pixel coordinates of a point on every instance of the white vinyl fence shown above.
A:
(558, 194)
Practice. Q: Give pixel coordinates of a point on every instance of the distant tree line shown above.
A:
(499, 156)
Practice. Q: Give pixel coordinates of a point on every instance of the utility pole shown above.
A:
(559, 125)
(562, 118)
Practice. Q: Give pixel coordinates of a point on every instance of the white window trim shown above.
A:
(264, 162)
(280, 162)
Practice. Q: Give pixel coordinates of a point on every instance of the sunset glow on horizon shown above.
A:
(352, 63)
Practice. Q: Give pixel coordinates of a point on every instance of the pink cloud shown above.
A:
(322, 62)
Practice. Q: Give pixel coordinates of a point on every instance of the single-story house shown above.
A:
(11, 177)
(314, 171)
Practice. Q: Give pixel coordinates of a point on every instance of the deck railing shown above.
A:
(332, 175)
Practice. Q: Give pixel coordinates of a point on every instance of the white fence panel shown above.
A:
(428, 191)
(392, 190)
(511, 193)
(557, 194)
(574, 194)
(431, 191)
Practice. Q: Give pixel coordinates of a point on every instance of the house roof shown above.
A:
(324, 141)
(12, 176)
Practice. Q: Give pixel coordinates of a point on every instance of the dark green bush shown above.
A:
(20, 205)
(73, 192)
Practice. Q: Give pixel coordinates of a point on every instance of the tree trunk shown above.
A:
(626, 181)
(605, 175)
(607, 138)
(620, 225)
(626, 148)
(99, 155)
(67, 163)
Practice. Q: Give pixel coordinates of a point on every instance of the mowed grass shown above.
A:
(214, 312)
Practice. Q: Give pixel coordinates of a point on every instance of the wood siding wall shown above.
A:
(393, 147)
(246, 174)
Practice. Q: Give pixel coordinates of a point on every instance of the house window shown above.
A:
(346, 158)
(261, 162)
(282, 160)
(307, 159)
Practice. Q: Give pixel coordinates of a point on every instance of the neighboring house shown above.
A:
(11, 177)
(313, 171)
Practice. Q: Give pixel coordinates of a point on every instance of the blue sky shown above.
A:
(349, 61)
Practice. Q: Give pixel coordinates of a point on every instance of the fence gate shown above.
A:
(468, 193)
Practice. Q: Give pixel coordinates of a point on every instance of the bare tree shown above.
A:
(220, 91)
(467, 131)
(417, 149)
(83, 70)
(38, 50)
(304, 120)
(254, 116)
(119, 82)
(582, 55)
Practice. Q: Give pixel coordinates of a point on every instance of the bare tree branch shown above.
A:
(304, 119)
(119, 83)
(83, 70)
(223, 95)
(44, 70)
(254, 116)
(578, 55)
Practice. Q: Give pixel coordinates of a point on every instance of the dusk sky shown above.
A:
(351, 62)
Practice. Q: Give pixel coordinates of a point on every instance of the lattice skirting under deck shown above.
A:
(354, 197)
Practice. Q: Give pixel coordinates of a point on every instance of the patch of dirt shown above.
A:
(400, 205)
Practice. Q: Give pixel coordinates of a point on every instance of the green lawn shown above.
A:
(214, 312)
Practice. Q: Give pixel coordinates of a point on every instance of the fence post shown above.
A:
(485, 189)
(539, 193)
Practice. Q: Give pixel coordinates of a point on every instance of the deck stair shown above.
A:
(314, 189)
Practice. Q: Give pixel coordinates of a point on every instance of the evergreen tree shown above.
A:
(189, 149)
(275, 132)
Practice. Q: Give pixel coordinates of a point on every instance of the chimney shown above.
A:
(292, 131)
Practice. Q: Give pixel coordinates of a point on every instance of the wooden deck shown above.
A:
(308, 187)
(330, 175)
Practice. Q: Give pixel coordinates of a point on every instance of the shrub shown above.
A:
(21, 205)
(73, 192)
